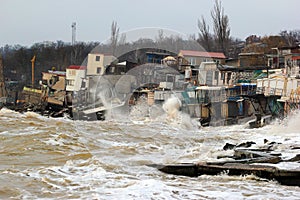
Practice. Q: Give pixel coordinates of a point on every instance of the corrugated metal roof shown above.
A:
(58, 73)
(202, 54)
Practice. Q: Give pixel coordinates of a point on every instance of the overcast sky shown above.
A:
(26, 22)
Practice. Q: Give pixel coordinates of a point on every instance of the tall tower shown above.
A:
(73, 53)
(73, 33)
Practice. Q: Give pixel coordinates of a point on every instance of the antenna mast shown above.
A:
(73, 33)
(73, 42)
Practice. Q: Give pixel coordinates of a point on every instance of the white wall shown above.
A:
(207, 74)
(74, 79)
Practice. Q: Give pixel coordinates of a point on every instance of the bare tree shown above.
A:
(205, 38)
(160, 36)
(292, 38)
(221, 26)
(122, 40)
(114, 36)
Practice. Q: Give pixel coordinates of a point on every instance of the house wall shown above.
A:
(284, 87)
(54, 80)
(247, 60)
(74, 79)
(60, 85)
(47, 76)
(196, 61)
(95, 64)
(210, 75)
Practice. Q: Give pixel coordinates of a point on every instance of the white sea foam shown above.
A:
(107, 160)
(169, 113)
(171, 107)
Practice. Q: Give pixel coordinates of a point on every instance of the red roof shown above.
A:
(296, 58)
(76, 67)
(202, 54)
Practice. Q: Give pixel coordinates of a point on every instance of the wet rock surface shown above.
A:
(244, 161)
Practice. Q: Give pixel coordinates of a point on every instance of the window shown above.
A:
(216, 75)
(228, 77)
(99, 70)
(192, 61)
(112, 69)
(97, 58)
(222, 75)
(72, 72)
(70, 82)
(83, 84)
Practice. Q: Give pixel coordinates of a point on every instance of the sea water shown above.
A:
(58, 158)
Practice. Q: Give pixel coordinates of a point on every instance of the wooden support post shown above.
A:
(32, 71)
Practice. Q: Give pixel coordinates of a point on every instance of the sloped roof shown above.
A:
(51, 72)
(76, 67)
(296, 58)
(202, 54)
(170, 58)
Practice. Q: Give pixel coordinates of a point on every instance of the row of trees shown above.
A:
(221, 41)
(17, 65)
(58, 55)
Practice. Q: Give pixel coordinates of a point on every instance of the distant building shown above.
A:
(97, 63)
(156, 56)
(232, 62)
(254, 60)
(54, 87)
(195, 58)
(252, 39)
(291, 60)
(212, 75)
(120, 68)
(75, 78)
(170, 61)
(55, 80)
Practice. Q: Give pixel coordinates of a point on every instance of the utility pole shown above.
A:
(32, 71)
